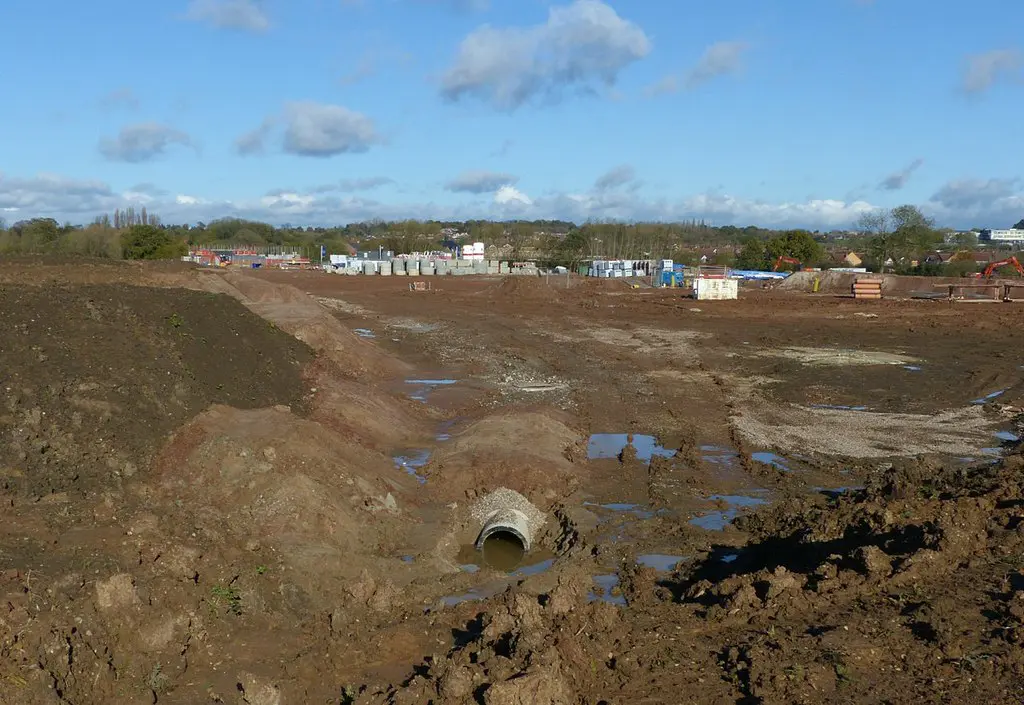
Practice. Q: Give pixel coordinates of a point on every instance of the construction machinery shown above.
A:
(1009, 261)
(786, 260)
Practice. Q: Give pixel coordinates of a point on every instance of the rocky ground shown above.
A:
(259, 487)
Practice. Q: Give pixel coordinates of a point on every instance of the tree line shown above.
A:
(897, 239)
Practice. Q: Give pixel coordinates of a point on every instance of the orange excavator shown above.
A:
(1009, 261)
(785, 260)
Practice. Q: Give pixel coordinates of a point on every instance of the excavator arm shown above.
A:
(785, 260)
(1011, 261)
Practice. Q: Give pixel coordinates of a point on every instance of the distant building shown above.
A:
(1010, 235)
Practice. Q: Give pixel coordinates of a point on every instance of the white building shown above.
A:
(1009, 235)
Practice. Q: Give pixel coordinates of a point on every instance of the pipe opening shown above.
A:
(503, 550)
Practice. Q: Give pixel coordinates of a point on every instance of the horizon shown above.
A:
(329, 113)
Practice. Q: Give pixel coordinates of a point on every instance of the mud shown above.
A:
(267, 488)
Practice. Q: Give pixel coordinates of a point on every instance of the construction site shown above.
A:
(284, 487)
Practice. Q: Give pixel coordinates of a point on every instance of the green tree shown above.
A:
(753, 255)
(966, 240)
(150, 242)
(798, 244)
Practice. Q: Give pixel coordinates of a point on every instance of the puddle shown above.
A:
(506, 556)
(1007, 436)
(991, 451)
(912, 368)
(772, 460)
(717, 455)
(989, 397)
(718, 520)
(661, 562)
(453, 600)
(412, 462)
(839, 407)
(610, 445)
(364, 333)
(445, 429)
(407, 559)
(426, 386)
(636, 510)
(607, 587)
(730, 557)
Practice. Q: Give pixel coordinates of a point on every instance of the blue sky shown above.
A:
(798, 113)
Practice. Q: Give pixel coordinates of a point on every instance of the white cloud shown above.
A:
(963, 203)
(982, 71)
(245, 15)
(719, 59)
(581, 45)
(480, 182)
(142, 142)
(314, 130)
(511, 195)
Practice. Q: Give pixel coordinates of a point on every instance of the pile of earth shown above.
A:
(93, 378)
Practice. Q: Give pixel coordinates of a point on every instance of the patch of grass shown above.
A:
(175, 321)
(229, 595)
(157, 680)
(261, 570)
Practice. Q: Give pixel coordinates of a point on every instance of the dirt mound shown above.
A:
(95, 377)
(531, 452)
(311, 496)
(300, 314)
(842, 283)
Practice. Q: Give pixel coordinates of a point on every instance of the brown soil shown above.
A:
(202, 508)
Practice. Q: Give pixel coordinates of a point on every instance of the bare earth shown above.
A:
(258, 487)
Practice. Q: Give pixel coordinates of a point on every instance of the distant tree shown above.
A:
(798, 244)
(753, 255)
(966, 240)
(150, 242)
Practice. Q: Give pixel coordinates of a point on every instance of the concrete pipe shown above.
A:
(506, 524)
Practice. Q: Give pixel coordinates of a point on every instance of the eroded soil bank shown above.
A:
(265, 488)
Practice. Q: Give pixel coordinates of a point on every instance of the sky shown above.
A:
(804, 113)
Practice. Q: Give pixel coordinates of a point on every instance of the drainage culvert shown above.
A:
(509, 525)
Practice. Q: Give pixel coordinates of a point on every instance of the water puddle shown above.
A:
(365, 333)
(444, 431)
(637, 510)
(610, 445)
(912, 368)
(1007, 436)
(661, 562)
(412, 463)
(607, 590)
(730, 557)
(772, 460)
(453, 600)
(718, 520)
(717, 455)
(407, 559)
(426, 386)
(989, 397)
(505, 555)
(839, 407)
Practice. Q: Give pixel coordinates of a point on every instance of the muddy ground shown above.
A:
(259, 487)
